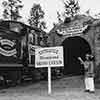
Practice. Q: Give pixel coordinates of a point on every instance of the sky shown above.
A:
(50, 8)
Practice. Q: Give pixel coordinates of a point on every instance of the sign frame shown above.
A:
(49, 57)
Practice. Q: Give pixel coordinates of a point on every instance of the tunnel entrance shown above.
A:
(73, 48)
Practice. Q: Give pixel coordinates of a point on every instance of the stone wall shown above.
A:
(92, 35)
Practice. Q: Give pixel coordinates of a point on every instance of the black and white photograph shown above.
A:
(49, 49)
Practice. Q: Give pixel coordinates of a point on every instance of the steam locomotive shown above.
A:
(17, 46)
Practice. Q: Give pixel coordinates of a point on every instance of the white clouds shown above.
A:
(93, 5)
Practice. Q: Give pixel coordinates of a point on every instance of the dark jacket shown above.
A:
(89, 69)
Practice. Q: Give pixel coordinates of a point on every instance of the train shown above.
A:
(17, 50)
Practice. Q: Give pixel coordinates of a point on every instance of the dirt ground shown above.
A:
(67, 88)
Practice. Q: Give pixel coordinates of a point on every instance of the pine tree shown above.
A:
(11, 9)
(71, 8)
(36, 17)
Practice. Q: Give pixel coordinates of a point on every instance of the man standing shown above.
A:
(89, 73)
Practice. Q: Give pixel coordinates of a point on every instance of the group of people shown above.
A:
(88, 73)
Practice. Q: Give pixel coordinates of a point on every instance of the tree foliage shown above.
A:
(36, 17)
(71, 8)
(59, 17)
(11, 9)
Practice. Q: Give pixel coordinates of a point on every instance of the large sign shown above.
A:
(72, 30)
(49, 57)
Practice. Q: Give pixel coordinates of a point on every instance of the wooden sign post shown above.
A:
(49, 80)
